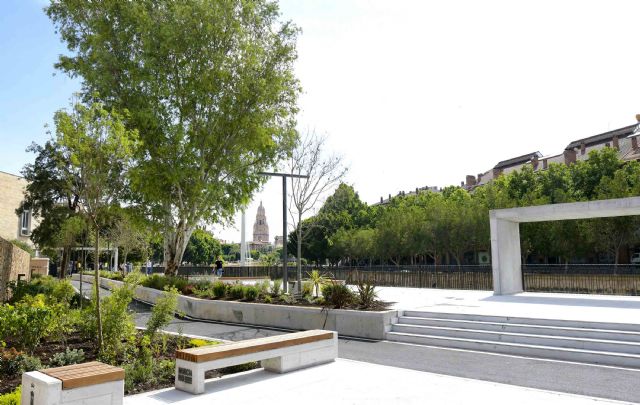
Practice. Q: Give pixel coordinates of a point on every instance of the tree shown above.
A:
(49, 198)
(99, 149)
(130, 232)
(203, 248)
(210, 87)
(324, 172)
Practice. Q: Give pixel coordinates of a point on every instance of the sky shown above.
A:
(409, 93)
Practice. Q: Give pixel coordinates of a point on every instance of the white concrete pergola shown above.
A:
(505, 233)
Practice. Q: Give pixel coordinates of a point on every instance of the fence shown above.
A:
(583, 278)
(573, 278)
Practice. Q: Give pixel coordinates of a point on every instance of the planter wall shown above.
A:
(363, 324)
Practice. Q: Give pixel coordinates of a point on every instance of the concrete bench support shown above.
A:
(279, 354)
(81, 384)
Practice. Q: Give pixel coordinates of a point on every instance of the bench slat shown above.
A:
(82, 375)
(209, 353)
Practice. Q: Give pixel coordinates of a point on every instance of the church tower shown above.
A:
(260, 227)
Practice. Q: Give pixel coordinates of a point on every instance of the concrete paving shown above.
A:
(598, 381)
(351, 382)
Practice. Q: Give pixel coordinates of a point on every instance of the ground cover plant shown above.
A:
(334, 294)
(43, 326)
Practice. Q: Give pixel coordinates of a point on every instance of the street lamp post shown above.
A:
(285, 276)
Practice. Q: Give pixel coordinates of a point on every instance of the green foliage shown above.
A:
(68, 357)
(307, 288)
(337, 295)
(317, 279)
(251, 293)
(235, 87)
(263, 288)
(366, 293)
(53, 290)
(13, 362)
(11, 398)
(162, 312)
(268, 299)
(24, 246)
(118, 326)
(287, 299)
(27, 322)
(237, 291)
(202, 248)
(202, 342)
(219, 289)
(160, 282)
(276, 288)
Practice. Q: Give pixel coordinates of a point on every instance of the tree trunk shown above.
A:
(96, 284)
(175, 242)
(65, 262)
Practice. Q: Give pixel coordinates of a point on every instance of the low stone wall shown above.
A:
(39, 265)
(14, 265)
(363, 324)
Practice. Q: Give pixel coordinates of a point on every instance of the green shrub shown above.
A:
(307, 288)
(162, 312)
(288, 299)
(263, 288)
(159, 282)
(14, 362)
(219, 289)
(26, 323)
(251, 293)
(237, 291)
(276, 288)
(202, 342)
(337, 295)
(268, 299)
(117, 321)
(54, 290)
(367, 294)
(68, 357)
(11, 398)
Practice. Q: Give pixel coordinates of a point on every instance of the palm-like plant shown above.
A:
(317, 279)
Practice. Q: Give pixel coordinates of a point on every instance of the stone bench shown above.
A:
(279, 354)
(92, 383)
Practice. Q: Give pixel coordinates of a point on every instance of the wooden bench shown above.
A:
(92, 383)
(279, 354)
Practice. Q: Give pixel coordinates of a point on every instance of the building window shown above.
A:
(25, 223)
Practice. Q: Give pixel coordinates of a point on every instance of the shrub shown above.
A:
(337, 295)
(117, 321)
(251, 293)
(288, 299)
(159, 282)
(276, 287)
(13, 362)
(201, 342)
(307, 288)
(26, 323)
(268, 299)
(11, 398)
(68, 357)
(263, 288)
(219, 289)
(366, 293)
(237, 291)
(162, 312)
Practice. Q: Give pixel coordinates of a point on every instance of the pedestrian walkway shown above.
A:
(353, 382)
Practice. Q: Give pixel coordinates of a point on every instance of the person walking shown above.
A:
(149, 267)
(219, 267)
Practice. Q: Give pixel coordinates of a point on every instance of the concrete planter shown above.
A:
(363, 324)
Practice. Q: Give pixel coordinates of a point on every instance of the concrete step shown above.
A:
(628, 327)
(519, 349)
(616, 346)
(602, 334)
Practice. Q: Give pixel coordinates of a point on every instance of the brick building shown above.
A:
(12, 225)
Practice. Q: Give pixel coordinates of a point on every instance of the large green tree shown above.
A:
(202, 248)
(209, 85)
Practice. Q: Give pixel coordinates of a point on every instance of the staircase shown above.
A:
(613, 344)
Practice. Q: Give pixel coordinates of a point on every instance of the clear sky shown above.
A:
(410, 93)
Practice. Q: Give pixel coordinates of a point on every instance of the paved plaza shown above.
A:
(353, 382)
(578, 307)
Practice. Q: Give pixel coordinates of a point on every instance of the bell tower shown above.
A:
(260, 227)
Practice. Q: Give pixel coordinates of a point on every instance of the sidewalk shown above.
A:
(353, 382)
(580, 307)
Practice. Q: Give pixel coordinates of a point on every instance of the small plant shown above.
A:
(367, 294)
(69, 356)
(237, 291)
(276, 288)
(307, 288)
(268, 299)
(288, 299)
(317, 280)
(251, 293)
(201, 342)
(14, 362)
(162, 312)
(11, 398)
(219, 289)
(263, 288)
(337, 295)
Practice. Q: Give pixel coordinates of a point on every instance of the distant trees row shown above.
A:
(448, 226)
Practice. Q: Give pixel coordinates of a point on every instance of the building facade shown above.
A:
(12, 225)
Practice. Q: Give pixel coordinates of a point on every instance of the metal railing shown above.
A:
(621, 279)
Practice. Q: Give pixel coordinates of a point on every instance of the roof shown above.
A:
(604, 137)
(517, 160)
